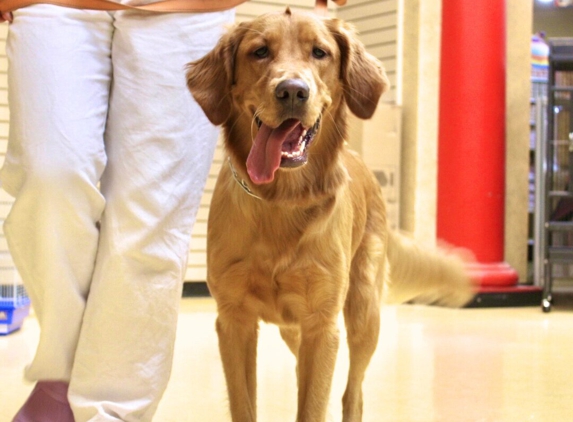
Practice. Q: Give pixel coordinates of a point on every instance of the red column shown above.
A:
(471, 151)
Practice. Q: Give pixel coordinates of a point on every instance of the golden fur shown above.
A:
(315, 242)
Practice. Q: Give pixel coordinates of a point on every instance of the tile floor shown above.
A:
(432, 365)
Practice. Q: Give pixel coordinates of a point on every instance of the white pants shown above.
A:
(107, 159)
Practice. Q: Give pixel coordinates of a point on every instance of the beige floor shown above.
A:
(432, 364)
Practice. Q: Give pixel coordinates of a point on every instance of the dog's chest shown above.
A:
(281, 268)
(286, 290)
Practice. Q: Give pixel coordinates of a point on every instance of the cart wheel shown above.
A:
(546, 305)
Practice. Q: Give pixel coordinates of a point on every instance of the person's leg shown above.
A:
(58, 76)
(160, 147)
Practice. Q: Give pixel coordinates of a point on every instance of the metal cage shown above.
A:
(14, 301)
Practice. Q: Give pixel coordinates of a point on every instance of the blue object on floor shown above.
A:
(14, 307)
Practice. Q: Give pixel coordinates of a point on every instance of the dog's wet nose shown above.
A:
(292, 90)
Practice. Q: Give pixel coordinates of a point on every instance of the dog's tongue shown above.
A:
(265, 156)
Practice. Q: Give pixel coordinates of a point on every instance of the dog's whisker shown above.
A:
(256, 121)
(254, 31)
(236, 121)
(335, 125)
(253, 123)
(364, 98)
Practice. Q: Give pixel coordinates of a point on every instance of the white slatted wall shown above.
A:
(377, 25)
(376, 21)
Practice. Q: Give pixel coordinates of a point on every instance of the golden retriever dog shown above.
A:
(297, 229)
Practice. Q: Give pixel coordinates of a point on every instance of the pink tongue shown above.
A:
(265, 156)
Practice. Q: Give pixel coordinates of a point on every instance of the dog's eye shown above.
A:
(261, 53)
(318, 53)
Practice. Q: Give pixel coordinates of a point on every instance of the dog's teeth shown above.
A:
(294, 154)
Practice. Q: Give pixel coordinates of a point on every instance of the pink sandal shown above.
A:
(48, 402)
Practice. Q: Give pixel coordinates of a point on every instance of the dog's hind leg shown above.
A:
(362, 320)
(238, 348)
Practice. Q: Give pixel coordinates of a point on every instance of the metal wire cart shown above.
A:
(14, 302)
(554, 196)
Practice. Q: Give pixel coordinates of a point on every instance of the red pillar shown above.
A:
(471, 151)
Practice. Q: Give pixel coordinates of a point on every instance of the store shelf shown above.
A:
(554, 173)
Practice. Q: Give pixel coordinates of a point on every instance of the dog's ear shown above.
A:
(362, 75)
(210, 78)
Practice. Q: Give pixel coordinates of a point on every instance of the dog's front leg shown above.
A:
(315, 368)
(238, 348)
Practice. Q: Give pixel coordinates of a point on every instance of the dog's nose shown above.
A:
(292, 90)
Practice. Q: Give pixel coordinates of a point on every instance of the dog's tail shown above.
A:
(425, 275)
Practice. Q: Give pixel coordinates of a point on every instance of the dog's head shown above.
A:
(282, 81)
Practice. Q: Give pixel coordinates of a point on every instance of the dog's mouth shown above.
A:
(284, 146)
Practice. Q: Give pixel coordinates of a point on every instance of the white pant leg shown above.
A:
(160, 147)
(59, 76)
